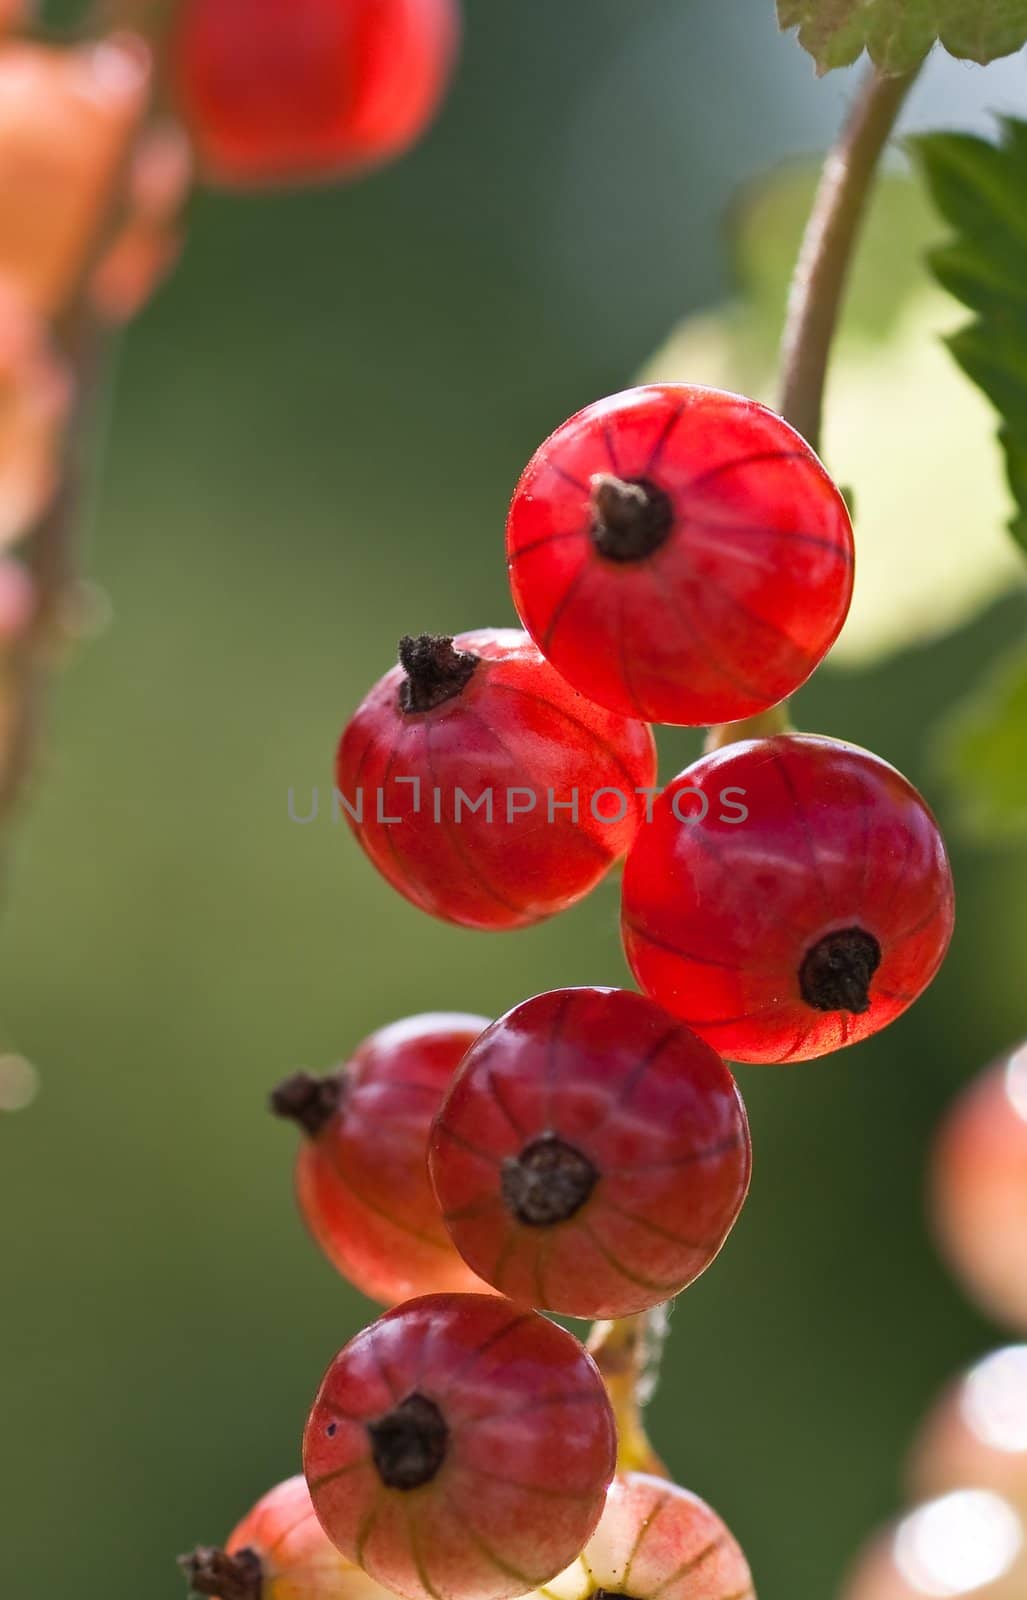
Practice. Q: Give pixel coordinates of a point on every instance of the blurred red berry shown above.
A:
(362, 1170)
(148, 244)
(966, 1546)
(279, 1552)
(656, 1542)
(976, 1435)
(490, 793)
(680, 555)
(791, 896)
(67, 121)
(460, 1447)
(296, 90)
(979, 1189)
(592, 1155)
(12, 14)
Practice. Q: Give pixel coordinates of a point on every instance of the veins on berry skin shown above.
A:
(835, 974)
(472, 744)
(213, 1572)
(436, 671)
(409, 1442)
(630, 518)
(548, 1182)
(309, 1101)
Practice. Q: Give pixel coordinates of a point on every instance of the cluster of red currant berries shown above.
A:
(676, 554)
(680, 555)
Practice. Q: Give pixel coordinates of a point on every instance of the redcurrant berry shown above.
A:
(656, 1542)
(462, 1448)
(483, 787)
(12, 15)
(976, 1436)
(292, 90)
(967, 1544)
(680, 555)
(279, 1552)
(362, 1171)
(979, 1189)
(68, 120)
(592, 1155)
(791, 896)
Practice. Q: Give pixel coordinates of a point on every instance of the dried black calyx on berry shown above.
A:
(548, 1182)
(835, 974)
(436, 671)
(409, 1443)
(611, 1594)
(630, 517)
(308, 1101)
(214, 1572)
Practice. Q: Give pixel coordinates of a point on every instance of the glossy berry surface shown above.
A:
(968, 1545)
(680, 555)
(656, 1542)
(279, 1552)
(976, 1435)
(979, 1189)
(362, 1169)
(791, 896)
(460, 1449)
(592, 1154)
(487, 791)
(297, 90)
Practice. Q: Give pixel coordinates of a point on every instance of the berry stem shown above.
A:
(836, 973)
(436, 671)
(822, 271)
(630, 519)
(409, 1444)
(214, 1572)
(308, 1101)
(628, 1353)
(763, 726)
(548, 1182)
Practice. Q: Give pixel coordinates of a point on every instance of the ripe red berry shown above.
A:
(791, 896)
(293, 90)
(362, 1171)
(976, 1435)
(979, 1189)
(279, 1552)
(592, 1155)
(656, 1542)
(483, 787)
(462, 1448)
(679, 554)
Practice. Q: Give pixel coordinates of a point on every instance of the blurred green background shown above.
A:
(316, 431)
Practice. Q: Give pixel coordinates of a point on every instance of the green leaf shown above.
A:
(983, 752)
(899, 33)
(980, 189)
(904, 427)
